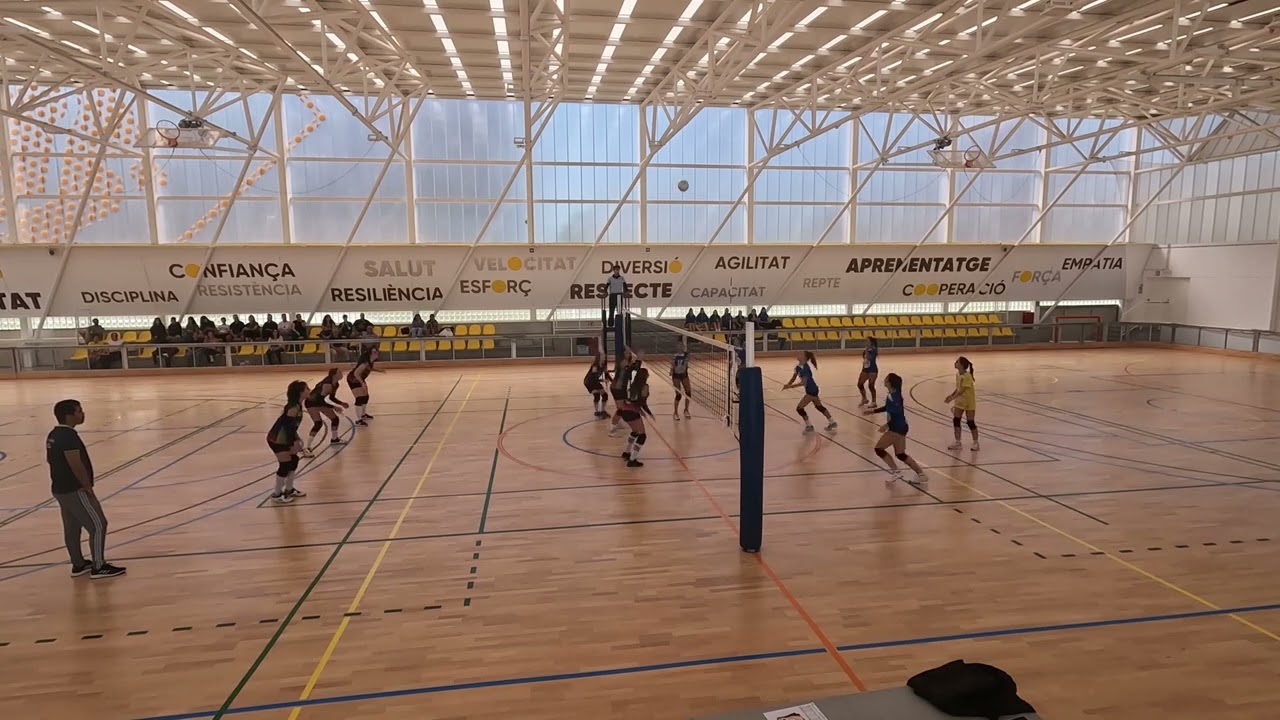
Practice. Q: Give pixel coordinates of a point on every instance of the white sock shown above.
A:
(635, 451)
(631, 444)
(288, 481)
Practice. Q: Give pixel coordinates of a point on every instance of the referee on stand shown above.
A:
(72, 475)
(617, 286)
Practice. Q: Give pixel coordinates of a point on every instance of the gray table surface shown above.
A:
(892, 704)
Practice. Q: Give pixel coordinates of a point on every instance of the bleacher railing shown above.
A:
(22, 357)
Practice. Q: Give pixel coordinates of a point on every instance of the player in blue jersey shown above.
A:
(597, 376)
(680, 379)
(803, 375)
(895, 432)
(286, 443)
(870, 369)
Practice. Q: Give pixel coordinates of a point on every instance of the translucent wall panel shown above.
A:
(828, 149)
(878, 131)
(580, 222)
(807, 186)
(319, 126)
(1074, 153)
(327, 178)
(799, 224)
(991, 224)
(705, 184)
(591, 133)
(468, 130)
(997, 187)
(581, 182)
(1082, 224)
(1226, 201)
(332, 221)
(1090, 188)
(214, 177)
(909, 186)
(460, 222)
(690, 223)
(715, 136)
(248, 221)
(467, 182)
(105, 220)
(898, 223)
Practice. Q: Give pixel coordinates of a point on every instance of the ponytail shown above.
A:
(894, 382)
(965, 365)
(874, 342)
(810, 358)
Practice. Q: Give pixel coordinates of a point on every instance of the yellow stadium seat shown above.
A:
(972, 320)
(859, 321)
(1004, 331)
(951, 332)
(129, 336)
(893, 321)
(473, 330)
(79, 354)
(854, 335)
(905, 335)
(182, 352)
(718, 337)
(917, 321)
(473, 344)
(788, 323)
(414, 346)
(807, 336)
(846, 322)
(245, 350)
(489, 330)
(460, 331)
(930, 333)
(147, 352)
(882, 334)
(950, 320)
(824, 322)
(400, 346)
(486, 344)
(144, 336)
(310, 349)
(313, 333)
(384, 347)
(990, 319)
(429, 345)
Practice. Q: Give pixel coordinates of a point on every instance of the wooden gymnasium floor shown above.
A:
(481, 552)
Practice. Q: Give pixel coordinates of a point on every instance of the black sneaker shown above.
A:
(337, 441)
(634, 463)
(367, 416)
(294, 493)
(78, 570)
(362, 423)
(626, 456)
(106, 571)
(281, 497)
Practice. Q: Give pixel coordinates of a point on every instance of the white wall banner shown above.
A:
(409, 277)
(26, 280)
(652, 273)
(498, 277)
(165, 279)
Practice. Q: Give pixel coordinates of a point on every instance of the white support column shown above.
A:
(851, 207)
(751, 160)
(6, 167)
(148, 181)
(282, 176)
(410, 186)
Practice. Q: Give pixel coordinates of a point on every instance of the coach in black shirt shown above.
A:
(72, 473)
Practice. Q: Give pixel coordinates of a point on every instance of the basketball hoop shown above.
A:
(168, 133)
(971, 157)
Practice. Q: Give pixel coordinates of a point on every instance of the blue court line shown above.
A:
(632, 670)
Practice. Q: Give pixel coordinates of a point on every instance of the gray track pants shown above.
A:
(81, 511)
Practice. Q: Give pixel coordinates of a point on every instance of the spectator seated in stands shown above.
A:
(252, 330)
(209, 352)
(345, 329)
(299, 325)
(237, 328)
(174, 330)
(286, 329)
(206, 325)
(713, 322)
(269, 327)
(107, 357)
(763, 318)
(418, 328)
(739, 321)
(328, 328)
(94, 333)
(360, 326)
(433, 327)
(160, 334)
(726, 321)
(223, 330)
(190, 331)
(690, 320)
(275, 349)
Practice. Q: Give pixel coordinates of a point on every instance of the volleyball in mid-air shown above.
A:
(683, 185)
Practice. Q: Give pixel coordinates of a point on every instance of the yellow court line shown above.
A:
(1094, 548)
(377, 562)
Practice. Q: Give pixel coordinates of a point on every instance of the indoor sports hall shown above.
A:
(687, 359)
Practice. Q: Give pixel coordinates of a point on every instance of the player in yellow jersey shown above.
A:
(964, 402)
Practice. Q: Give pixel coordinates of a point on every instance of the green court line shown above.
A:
(262, 656)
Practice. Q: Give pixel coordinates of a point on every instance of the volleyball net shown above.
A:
(711, 363)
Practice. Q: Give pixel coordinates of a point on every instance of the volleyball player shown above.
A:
(964, 403)
(803, 375)
(632, 409)
(285, 441)
(618, 389)
(680, 379)
(870, 369)
(895, 432)
(597, 375)
(320, 404)
(357, 380)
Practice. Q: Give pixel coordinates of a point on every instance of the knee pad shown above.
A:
(290, 466)
(880, 453)
(679, 396)
(955, 421)
(634, 436)
(903, 457)
(640, 438)
(283, 469)
(362, 401)
(317, 426)
(972, 425)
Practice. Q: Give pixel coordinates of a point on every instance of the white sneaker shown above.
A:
(919, 479)
(676, 416)
(832, 426)
(975, 447)
(687, 414)
(954, 446)
(808, 428)
(863, 403)
(894, 476)
(613, 431)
